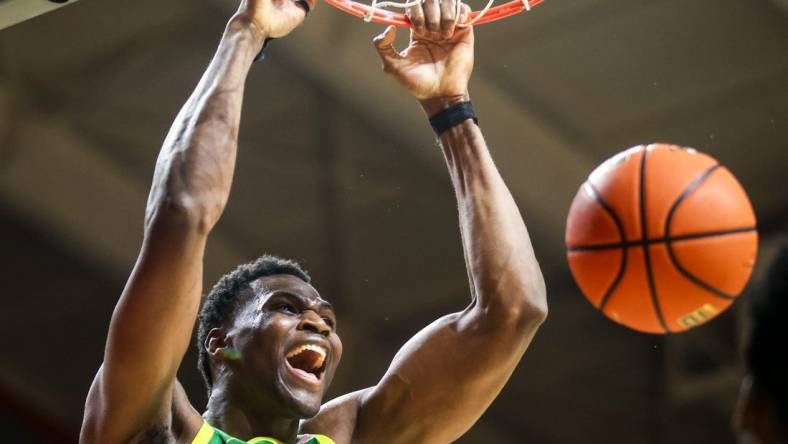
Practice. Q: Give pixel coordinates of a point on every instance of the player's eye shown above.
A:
(287, 308)
(330, 322)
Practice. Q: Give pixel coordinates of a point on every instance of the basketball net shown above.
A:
(377, 11)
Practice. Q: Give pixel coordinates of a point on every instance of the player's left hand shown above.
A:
(437, 64)
(275, 18)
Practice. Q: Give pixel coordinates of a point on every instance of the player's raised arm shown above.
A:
(153, 320)
(444, 378)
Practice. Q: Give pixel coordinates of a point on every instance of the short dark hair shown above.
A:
(769, 336)
(229, 293)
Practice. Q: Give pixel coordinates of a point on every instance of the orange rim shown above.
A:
(398, 19)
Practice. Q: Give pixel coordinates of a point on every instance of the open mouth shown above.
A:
(308, 361)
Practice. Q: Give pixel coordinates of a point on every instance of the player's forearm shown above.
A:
(504, 272)
(195, 167)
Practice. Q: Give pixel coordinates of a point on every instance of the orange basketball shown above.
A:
(661, 238)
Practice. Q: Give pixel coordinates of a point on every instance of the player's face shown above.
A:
(288, 345)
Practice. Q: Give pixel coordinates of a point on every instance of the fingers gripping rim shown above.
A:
(373, 13)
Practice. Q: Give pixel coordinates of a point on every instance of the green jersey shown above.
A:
(210, 435)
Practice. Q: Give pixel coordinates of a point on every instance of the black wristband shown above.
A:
(453, 116)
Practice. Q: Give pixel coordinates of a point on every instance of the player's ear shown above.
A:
(215, 341)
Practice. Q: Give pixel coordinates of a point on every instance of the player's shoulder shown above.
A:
(337, 418)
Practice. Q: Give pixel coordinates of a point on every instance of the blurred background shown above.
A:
(338, 169)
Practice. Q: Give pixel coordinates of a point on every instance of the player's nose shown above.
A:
(312, 322)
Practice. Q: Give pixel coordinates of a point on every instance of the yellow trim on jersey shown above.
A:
(210, 435)
(266, 440)
(204, 435)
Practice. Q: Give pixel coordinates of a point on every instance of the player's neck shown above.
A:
(243, 421)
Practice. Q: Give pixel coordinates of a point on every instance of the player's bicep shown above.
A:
(108, 418)
(443, 379)
(149, 333)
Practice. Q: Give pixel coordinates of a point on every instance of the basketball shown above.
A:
(661, 238)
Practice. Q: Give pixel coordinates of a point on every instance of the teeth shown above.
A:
(315, 348)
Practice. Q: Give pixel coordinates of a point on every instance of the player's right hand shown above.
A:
(275, 18)
(437, 64)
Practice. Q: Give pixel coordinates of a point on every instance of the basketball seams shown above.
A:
(694, 185)
(644, 236)
(672, 223)
(718, 233)
(659, 240)
(594, 194)
(598, 247)
(686, 192)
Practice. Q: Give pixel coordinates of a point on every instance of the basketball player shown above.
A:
(268, 342)
(761, 415)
